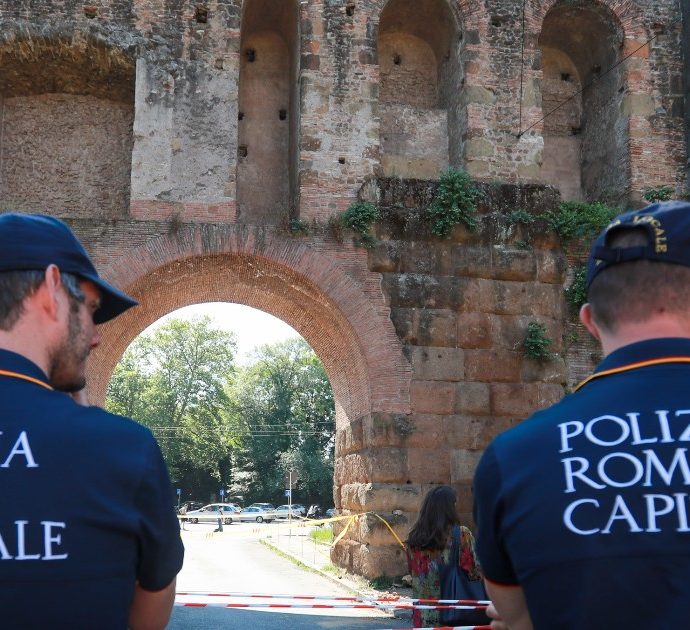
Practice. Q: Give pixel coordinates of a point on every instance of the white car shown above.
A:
(255, 514)
(283, 511)
(209, 513)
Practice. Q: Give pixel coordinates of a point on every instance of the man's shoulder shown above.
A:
(103, 422)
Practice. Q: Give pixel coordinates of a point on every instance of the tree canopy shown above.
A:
(221, 425)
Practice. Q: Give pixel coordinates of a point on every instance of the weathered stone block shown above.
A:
(472, 432)
(509, 331)
(511, 264)
(385, 256)
(463, 464)
(553, 370)
(373, 561)
(474, 330)
(492, 366)
(382, 497)
(516, 399)
(551, 266)
(428, 465)
(349, 439)
(437, 363)
(521, 298)
(385, 465)
(473, 399)
(387, 429)
(425, 327)
(426, 431)
(432, 397)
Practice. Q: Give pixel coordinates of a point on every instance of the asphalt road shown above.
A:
(237, 562)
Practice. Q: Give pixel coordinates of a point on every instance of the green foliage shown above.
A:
(576, 293)
(220, 425)
(521, 216)
(522, 244)
(359, 217)
(173, 382)
(322, 535)
(283, 416)
(455, 203)
(658, 193)
(298, 227)
(536, 342)
(574, 220)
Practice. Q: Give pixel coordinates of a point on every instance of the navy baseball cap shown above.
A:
(668, 227)
(33, 241)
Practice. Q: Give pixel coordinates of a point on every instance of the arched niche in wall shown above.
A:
(66, 117)
(586, 137)
(419, 52)
(268, 111)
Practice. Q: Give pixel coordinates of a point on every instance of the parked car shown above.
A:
(188, 506)
(331, 512)
(283, 511)
(264, 506)
(299, 509)
(209, 513)
(253, 513)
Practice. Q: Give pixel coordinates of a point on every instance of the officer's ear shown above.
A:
(53, 292)
(587, 319)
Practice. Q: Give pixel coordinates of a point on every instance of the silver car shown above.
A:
(256, 514)
(210, 513)
(283, 511)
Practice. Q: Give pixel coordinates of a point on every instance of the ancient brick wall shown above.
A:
(140, 121)
(685, 5)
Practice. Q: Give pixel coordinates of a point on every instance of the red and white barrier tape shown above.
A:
(362, 598)
(352, 605)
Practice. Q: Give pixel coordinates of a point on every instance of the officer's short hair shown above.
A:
(634, 291)
(16, 286)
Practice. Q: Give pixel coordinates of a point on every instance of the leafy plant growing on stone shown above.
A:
(658, 193)
(520, 216)
(359, 218)
(298, 227)
(575, 220)
(536, 342)
(455, 203)
(576, 293)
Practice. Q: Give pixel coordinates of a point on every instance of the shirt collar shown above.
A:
(13, 362)
(649, 349)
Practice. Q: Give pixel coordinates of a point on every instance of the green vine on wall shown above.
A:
(576, 293)
(359, 218)
(576, 220)
(536, 342)
(658, 193)
(455, 202)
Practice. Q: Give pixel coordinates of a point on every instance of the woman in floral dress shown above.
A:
(429, 545)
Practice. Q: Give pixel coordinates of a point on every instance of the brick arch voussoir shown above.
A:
(459, 8)
(372, 373)
(626, 13)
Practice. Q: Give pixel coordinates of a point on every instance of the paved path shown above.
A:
(235, 561)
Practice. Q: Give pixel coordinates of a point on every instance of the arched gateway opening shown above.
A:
(351, 334)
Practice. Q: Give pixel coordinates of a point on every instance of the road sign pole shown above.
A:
(290, 497)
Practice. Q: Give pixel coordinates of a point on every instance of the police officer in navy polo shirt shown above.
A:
(88, 534)
(583, 510)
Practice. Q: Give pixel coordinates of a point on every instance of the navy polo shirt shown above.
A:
(86, 509)
(586, 505)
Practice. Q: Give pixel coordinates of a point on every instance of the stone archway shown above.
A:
(67, 112)
(344, 319)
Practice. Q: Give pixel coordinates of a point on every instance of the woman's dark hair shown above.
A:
(436, 517)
